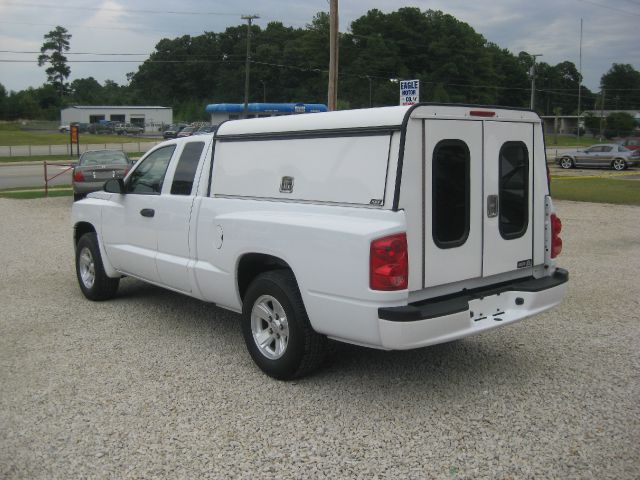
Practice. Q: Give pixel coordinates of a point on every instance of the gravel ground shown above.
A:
(157, 385)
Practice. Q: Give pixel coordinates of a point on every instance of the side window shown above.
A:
(451, 198)
(594, 150)
(514, 190)
(186, 168)
(606, 149)
(149, 176)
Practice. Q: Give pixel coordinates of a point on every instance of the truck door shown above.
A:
(508, 194)
(129, 221)
(173, 218)
(452, 206)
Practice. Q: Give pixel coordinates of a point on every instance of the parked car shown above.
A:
(97, 166)
(105, 127)
(365, 226)
(172, 130)
(186, 132)
(82, 127)
(609, 155)
(205, 129)
(631, 143)
(128, 128)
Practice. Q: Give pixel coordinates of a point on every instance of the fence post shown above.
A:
(46, 180)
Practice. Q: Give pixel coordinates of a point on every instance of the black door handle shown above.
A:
(147, 212)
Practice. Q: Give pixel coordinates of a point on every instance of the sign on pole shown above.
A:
(409, 92)
(74, 132)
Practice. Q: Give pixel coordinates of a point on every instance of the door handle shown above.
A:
(492, 206)
(147, 212)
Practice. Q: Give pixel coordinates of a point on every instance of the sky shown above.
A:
(611, 31)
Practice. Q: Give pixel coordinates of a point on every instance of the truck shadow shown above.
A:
(494, 359)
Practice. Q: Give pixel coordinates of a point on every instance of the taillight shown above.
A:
(78, 176)
(556, 241)
(482, 113)
(389, 263)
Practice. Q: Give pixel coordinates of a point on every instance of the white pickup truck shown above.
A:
(393, 228)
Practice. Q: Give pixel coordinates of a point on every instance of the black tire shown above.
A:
(77, 196)
(566, 163)
(305, 349)
(618, 164)
(93, 281)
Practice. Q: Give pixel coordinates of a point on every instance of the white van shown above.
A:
(392, 228)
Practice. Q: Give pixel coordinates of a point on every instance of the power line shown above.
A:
(4, 60)
(626, 12)
(94, 27)
(188, 55)
(117, 10)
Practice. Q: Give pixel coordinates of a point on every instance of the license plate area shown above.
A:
(491, 308)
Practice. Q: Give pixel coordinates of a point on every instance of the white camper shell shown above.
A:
(459, 193)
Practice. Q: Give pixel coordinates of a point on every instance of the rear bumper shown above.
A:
(431, 322)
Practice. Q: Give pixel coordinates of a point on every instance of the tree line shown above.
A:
(453, 62)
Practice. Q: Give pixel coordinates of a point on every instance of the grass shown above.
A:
(50, 158)
(580, 189)
(22, 193)
(13, 133)
(598, 190)
(570, 141)
(19, 137)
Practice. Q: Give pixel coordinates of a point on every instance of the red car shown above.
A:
(632, 143)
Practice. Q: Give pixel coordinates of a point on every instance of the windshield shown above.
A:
(106, 157)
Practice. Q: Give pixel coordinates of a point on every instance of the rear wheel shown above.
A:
(618, 164)
(94, 282)
(276, 328)
(566, 162)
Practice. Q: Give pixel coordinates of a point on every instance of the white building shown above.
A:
(153, 118)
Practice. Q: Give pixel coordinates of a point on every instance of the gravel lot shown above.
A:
(157, 385)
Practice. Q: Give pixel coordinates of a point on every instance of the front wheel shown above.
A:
(276, 327)
(94, 282)
(618, 164)
(566, 163)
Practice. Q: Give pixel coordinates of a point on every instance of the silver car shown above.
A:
(96, 167)
(609, 155)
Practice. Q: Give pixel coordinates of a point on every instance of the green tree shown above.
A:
(622, 86)
(592, 123)
(619, 124)
(56, 42)
(86, 91)
(3, 101)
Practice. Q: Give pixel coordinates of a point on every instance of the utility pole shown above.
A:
(249, 19)
(333, 56)
(602, 115)
(580, 83)
(532, 72)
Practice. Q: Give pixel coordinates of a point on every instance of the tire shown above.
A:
(94, 282)
(77, 196)
(272, 309)
(566, 163)
(618, 164)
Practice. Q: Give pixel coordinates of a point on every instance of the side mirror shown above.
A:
(115, 185)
